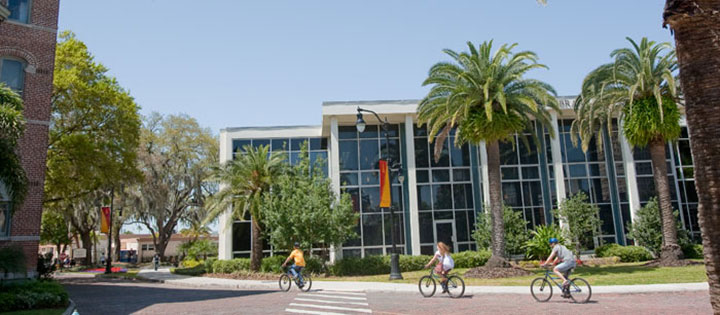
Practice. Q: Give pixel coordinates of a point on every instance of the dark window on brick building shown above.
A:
(4, 212)
(19, 10)
(12, 73)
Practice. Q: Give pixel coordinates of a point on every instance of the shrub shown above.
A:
(625, 253)
(354, 266)
(471, 259)
(230, 266)
(583, 222)
(32, 295)
(314, 265)
(197, 270)
(208, 264)
(45, 268)
(12, 259)
(647, 229)
(411, 263)
(538, 247)
(273, 264)
(693, 251)
(515, 230)
(190, 263)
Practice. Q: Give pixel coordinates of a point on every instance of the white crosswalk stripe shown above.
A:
(329, 303)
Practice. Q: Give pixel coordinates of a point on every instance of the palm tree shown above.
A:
(695, 28)
(638, 89)
(485, 95)
(12, 126)
(246, 180)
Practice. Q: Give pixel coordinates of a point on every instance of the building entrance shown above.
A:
(445, 232)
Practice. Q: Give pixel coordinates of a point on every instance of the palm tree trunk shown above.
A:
(257, 247)
(498, 258)
(671, 253)
(696, 32)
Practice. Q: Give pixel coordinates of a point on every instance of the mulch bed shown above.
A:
(495, 273)
(677, 263)
(244, 276)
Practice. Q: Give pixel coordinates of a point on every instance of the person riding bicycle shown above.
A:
(445, 263)
(567, 259)
(298, 263)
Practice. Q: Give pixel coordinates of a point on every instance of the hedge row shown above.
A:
(625, 253)
(32, 295)
(198, 270)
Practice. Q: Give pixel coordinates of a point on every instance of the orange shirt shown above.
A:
(299, 257)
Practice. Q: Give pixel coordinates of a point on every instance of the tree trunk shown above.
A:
(257, 247)
(671, 253)
(697, 41)
(87, 245)
(116, 239)
(498, 258)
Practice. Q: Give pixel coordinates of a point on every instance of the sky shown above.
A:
(265, 63)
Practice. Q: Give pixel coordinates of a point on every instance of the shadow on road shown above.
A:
(113, 296)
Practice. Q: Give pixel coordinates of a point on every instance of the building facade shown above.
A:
(440, 199)
(28, 34)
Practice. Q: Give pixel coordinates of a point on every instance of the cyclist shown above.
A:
(298, 263)
(445, 263)
(567, 259)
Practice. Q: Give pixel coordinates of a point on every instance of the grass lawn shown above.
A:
(130, 274)
(44, 311)
(620, 274)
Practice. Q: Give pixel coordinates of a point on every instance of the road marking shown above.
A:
(292, 310)
(342, 292)
(331, 302)
(336, 308)
(335, 296)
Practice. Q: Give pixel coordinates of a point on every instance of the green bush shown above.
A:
(515, 230)
(190, 263)
(538, 247)
(471, 259)
(208, 264)
(314, 265)
(411, 263)
(693, 251)
(273, 264)
(647, 229)
(32, 295)
(12, 259)
(230, 266)
(625, 253)
(197, 270)
(354, 266)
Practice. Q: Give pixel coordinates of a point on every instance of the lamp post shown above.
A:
(360, 125)
(108, 257)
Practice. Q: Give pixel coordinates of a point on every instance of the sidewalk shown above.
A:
(164, 275)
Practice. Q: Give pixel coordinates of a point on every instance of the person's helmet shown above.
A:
(553, 240)
(297, 244)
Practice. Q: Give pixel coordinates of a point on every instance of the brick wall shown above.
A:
(34, 43)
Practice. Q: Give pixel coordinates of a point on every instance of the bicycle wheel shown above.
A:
(455, 287)
(285, 283)
(580, 290)
(427, 286)
(541, 289)
(307, 283)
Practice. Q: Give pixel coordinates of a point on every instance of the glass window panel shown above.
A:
(318, 143)
(577, 170)
(461, 155)
(459, 197)
(511, 194)
(397, 198)
(508, 156)
(369, 154)
(424, 197)
(641, 154)
(427, 250)
(442, 197)
(19, 10)
(461, 175)
(469, 196)
(399, 239)
(318, 157)
(373, 252)
(691, 192)
(13, 74)
(444, 159)
(646, 188)
(394, 150)
(601, 190)
(356, 241)
(577, 185)
(348, 155)
(370, 199)
(352, 253)
(296, 144)
(241, 236)
(392, 132)
(443, 215)
(354, 196)
(371, 131)
(420, 130)
(528, 155)
(348, 179)
(441, 176)
(548, 148)
(421, 153)
(461, 227)
(532, 194)
(239, 145)
(608, 227)
(595, 170)
(685, 153)
(347, 132)
(643, 168)
(4, 214)
(372, 229)
(370, 178)
(530, 172)
(422, 176)
(426, 227)
(509, 173)
(280, 144)
(257, 143)
(572, 153)
(594, 153)
(295, 157)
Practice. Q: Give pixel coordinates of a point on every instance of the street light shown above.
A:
(360, 125)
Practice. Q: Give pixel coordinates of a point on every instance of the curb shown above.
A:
(70, 309)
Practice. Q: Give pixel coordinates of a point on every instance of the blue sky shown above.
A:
(259, 63)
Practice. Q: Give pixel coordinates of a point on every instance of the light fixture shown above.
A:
(401, 176)
(360, 124)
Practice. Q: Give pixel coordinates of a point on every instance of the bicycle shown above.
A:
(287, 278)
(577, 289)
(455, 285)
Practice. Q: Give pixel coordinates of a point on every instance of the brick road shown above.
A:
(107, 297)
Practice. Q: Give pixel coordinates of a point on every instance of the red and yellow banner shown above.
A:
(384, 185)
(104, 219)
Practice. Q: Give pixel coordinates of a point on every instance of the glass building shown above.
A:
(441, 196)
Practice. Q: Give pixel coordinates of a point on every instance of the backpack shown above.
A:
(448, 262)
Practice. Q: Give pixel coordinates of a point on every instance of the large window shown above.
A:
(4, 211)
(360, 177)
(12, 73)
(685, 170)
(446, 202)
(19, 10)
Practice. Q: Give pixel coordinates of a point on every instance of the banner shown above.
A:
(384, 185)
(104, 219)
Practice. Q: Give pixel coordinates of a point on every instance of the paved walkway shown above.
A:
(164, 275)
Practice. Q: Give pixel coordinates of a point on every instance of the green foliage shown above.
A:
(582, 219)
(355, 266)
(515, 230)
(229, 266)
(54, 229)
(647, 229)
(12, 127)
(45, 267)
(12, 259)
(625, 253)
(199, 249)
(208, 264)
(644, 123)
(274, 263)
(693, 251)
(190, 262)
(302, 207)
(471, 259)
(32, 295)
(538, 247)
(194, 271)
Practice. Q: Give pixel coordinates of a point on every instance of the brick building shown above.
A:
(28, 32)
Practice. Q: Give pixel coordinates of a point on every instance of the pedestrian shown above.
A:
(156, 261)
